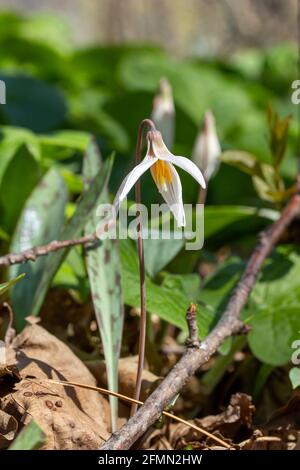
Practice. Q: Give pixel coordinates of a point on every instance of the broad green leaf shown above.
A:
(103, 265)
(74, 227)
(72, 274)
(5, 286)
(273, 311)
(11, 139)
(168, 303)
(30, 438)
(49, 29)
(274, 328)
(41, 221)
(47, 106)
(294, 375)
(279, 279)
(19, 179)
(158, 253)
(218, 286)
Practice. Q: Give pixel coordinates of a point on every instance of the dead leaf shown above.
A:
(287, 415)
(8, 429)
(70, 418)
(127, 376)
(226, 425)
(238, 414)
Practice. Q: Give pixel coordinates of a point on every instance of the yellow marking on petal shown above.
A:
(161, 174)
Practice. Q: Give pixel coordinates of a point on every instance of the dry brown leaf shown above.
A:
(237, 415)
(71, 419)
(9, 366)
(8, 429)
(226, 425)
(287, 415)
(127, 376)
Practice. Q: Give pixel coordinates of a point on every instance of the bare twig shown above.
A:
(10, 331)
(193, 358)
(142, 336)
(122, 397)
(191, 318)
(33, 253)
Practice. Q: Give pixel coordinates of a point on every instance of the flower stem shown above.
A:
(142, 337)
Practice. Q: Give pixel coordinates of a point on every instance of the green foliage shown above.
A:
(103, 266)
(72, 229)
(274, 308)
(40, 222)
(57, 96)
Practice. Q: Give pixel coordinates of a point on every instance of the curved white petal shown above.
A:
(132, 178)
(186, 164)
(172, 194)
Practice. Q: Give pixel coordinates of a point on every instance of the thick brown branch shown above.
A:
(193, 358)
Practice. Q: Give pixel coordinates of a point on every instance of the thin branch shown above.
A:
(191, 318)
(193, 358)
(104, 391)
(33, 253)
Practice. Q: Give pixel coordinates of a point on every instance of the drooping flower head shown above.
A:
(163, 112)
(207, 149)
(161, 163)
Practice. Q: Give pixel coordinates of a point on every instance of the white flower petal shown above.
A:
(172, 194)
(132, 178)
(186, 164)
(207, 149)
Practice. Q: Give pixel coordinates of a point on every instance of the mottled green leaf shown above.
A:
(274, 307)
(280, 324)
(11, 139)
(67, 139)
(168, 303)
(41, 221)
(73, 229)
(103, 265)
